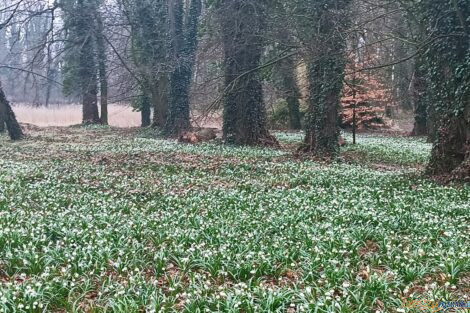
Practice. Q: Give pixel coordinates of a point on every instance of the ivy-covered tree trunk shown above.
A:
(326, 62)
(80, 66)
(244, 117)
(448, 61)
(322, 120)
(184, 51)
(8, 117)
(451, 152)
(150, 44)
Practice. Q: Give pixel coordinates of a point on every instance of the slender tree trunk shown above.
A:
(431, 123)
(293, 106)
(419, 101)
(9, 118)
(49, 71)
(2, 122)
(101, 47)
(145, 110)
(244, 110)
(291, 92)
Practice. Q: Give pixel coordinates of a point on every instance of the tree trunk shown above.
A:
(449, 73)
(8, 116)
(451, 153)
(87, 73)
(159, 93)
(293, 106)
(419, 101)
(185, 56)
(145, 110)
(322, 121)
(326, 61)
(2, 123)
(244, 110)
(101, 47)
(291, 92)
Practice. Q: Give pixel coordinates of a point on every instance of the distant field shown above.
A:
(66, 115)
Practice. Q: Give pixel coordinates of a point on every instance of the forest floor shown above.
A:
(112, 220)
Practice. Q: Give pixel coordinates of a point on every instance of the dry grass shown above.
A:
(66, 115)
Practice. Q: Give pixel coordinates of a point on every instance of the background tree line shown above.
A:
(155, 53)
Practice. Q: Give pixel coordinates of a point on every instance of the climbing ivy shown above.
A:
(447, 62)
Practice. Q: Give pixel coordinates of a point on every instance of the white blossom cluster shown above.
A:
(104, 222)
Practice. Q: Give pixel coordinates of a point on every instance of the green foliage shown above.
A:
(80, 64)
(447, 63)
(279, 117)
(403, 151)
(194, 228)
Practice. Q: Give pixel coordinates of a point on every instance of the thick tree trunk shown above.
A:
(451, 153)
(244, 110)
(88, 81)
(90, 107)
(160, 102)
(322, 121)
(184, 50)
(8, 116)
(326, 62)
(179, 113)
(449, 74)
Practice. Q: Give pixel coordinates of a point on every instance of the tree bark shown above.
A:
(184, 51)
(244, 110)
(448, 75)
(9, 118)
(326, 83)
(451, 152)
(419, 101)
(2, 123)
(326, 60)
(291, 92)
(322, 122)
(159, 93)
(145, 110)
(102, 69)
(87, 71)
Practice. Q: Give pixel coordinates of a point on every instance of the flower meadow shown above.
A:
(108, 220)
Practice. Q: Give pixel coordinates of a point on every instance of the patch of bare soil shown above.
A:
(368, 249)
(288, 279)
